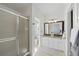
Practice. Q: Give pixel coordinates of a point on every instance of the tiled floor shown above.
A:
(45, 51)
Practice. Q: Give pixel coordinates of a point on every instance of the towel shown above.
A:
(74, 34)
(74, 42)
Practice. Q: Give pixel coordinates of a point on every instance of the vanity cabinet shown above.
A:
(55, 43)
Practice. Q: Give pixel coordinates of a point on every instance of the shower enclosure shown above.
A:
(14, 34)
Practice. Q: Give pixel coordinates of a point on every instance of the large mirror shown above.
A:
(55, 28)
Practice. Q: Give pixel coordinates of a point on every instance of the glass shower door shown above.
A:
(23, 36)
(7, 34)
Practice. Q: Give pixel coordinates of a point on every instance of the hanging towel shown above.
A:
(74, 42)
(74, 34)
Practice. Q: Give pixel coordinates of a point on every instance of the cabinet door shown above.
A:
(46, 42)
(7, 34)
(23, 36)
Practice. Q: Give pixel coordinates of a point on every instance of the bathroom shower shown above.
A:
(14, 34)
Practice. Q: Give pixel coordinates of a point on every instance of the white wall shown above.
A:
(37, 13)
(78, 14)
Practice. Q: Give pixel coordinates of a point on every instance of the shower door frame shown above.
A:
(17, 40)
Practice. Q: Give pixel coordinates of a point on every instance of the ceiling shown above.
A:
(17, 6)
(52, 9)
(48, 9)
